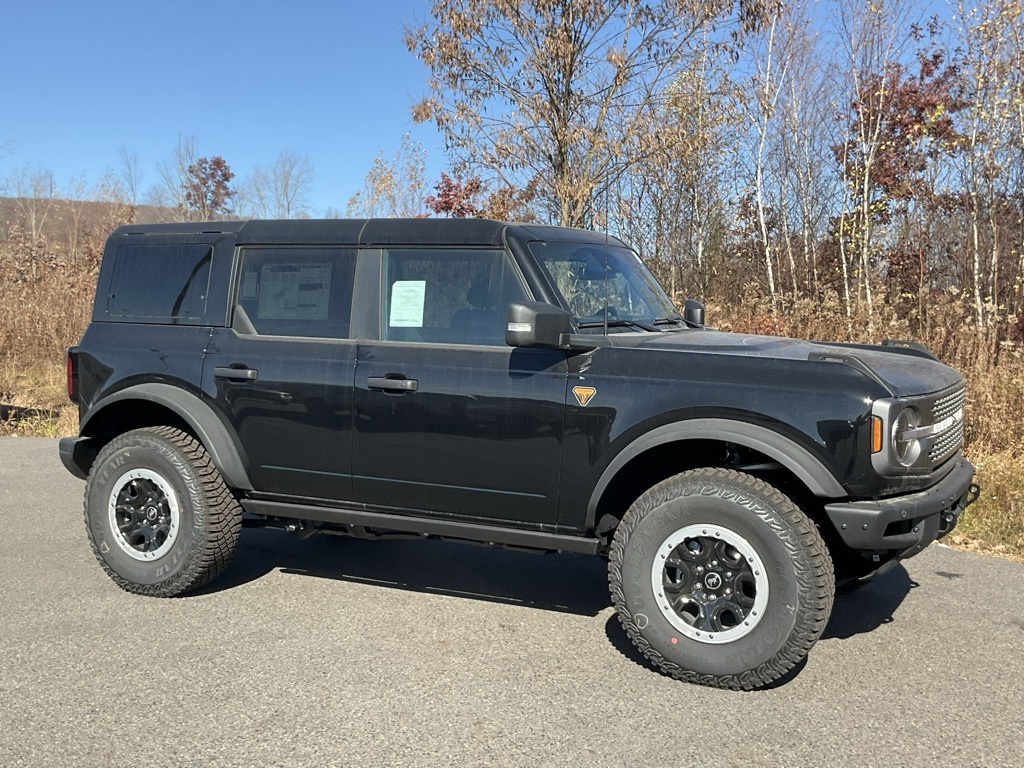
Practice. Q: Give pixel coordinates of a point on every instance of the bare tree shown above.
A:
(1016, 88)
(873, 36)
(804, 140)
(110, 192)
(131, 174)
(770, 66)
(395, 188)
(670, 204)
(172, 174)
(279, 190)
(33, 190)
(72, 211)
(990, 61)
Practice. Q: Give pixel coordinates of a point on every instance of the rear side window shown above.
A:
(298, 291)
(160, 282)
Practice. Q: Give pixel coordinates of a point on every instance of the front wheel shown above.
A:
(160, 519)
(719, 579)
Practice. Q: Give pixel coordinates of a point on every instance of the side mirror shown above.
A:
(693, 313)
(536, 324)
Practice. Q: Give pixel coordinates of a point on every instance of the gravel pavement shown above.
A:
(334, 651)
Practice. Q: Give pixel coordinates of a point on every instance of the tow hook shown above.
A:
(947, 523)
(973, 493)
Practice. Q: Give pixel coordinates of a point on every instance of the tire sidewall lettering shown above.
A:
(162, 459)
(749, 517)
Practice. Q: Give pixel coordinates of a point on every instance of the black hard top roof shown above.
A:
(369, 232)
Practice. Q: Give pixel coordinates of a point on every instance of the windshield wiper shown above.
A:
(616, 324)
(668, 320)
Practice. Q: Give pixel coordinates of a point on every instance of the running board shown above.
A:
(449, 529)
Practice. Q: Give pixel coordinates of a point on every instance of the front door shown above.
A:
(448, 419)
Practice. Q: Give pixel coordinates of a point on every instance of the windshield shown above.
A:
(579, 272)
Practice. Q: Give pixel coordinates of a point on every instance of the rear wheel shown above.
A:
(160, 519)
(719, 579)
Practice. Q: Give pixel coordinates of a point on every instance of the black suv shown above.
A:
(519, 385)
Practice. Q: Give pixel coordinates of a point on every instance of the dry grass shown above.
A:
(995, 523)
(47, 301)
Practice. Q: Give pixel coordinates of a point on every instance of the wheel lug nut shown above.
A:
(714, 562)
(728, 592)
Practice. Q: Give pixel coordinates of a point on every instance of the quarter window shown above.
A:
(449, 296)
(162, 282)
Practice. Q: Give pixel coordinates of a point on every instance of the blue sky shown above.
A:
(331, 80)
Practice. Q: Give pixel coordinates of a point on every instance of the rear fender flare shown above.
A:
(228, 456)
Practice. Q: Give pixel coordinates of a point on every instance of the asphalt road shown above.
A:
(335, 651)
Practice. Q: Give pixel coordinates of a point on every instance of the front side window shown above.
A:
(160, 282)
(298, 291)
(590, 276)
(448, 295)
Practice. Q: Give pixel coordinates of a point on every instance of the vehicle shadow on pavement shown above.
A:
(562, 582)
(866, 608)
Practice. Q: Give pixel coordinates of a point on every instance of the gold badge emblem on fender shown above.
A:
(584, 394)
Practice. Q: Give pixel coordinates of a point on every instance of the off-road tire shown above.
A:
(767, 524)
(175, 465)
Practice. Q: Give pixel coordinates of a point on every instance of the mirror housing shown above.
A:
(536, 324)
(693, 313)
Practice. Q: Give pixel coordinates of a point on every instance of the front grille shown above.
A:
(949, 404)
(946, 443)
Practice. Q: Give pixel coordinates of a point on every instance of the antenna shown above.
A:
(605, 228)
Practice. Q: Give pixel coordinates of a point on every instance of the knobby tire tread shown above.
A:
(223, 514)
(815, 577)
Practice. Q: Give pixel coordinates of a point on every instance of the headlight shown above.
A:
(906, 441)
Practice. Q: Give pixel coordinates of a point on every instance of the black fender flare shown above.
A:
(228, 456)
(794, 457)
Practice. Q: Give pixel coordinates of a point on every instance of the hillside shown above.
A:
(56, 220)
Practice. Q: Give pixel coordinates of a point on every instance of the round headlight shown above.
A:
(906, 450)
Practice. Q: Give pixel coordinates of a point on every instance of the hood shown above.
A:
(903, 371)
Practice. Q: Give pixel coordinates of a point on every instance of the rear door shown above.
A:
(283, 374)
(448, 419)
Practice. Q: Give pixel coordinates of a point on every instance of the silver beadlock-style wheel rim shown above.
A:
(710, 583)
(144, 514)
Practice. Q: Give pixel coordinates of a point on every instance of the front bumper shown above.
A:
(904, 525)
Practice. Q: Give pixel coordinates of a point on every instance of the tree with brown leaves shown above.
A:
(558, 93)
(206, 187)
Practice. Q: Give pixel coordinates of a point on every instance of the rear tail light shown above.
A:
(72, 373)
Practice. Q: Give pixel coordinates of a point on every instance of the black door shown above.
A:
(283, 374)
(448, 419)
